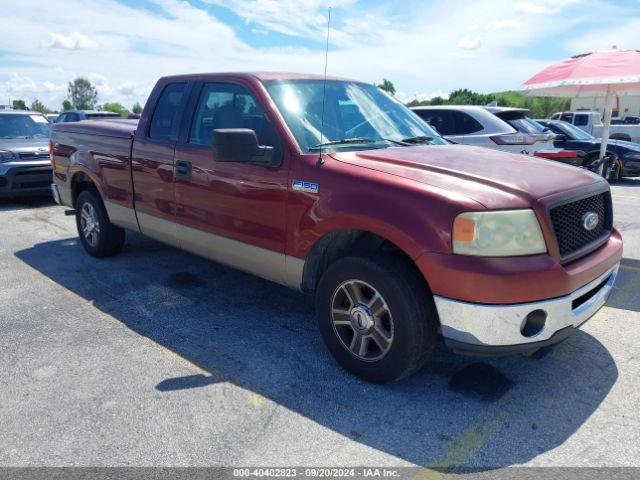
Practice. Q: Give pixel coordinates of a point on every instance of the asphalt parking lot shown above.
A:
(157, 357)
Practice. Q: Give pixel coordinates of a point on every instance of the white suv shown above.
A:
(500, 128)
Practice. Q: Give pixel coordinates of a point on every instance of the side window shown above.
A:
(164, 122)
(441, 120)
(465, 124)
(581, 120)
(227, 105)
(567, 117)
(61, 118)
(73, 117)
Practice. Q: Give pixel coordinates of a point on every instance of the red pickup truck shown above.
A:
(336, 189)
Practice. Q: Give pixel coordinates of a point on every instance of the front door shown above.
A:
(234, 213)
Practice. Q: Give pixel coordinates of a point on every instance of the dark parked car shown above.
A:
(77, 115)
(625, 156)
(25, 167)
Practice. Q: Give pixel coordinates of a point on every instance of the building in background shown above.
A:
(627, 105)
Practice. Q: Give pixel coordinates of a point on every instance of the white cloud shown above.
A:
(412, 43)
(289, 17)
(75, 41)
(507, 24)
(469, 43)
(623, 35)
(534, 8)
(543, 7)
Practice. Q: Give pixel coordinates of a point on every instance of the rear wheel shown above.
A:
(614, 171)
(99, 237)
(376, 316)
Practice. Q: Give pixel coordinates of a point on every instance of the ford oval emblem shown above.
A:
(590, 220)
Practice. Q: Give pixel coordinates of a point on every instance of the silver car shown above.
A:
(25, 168)
(484, 127)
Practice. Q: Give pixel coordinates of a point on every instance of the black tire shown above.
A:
(109, 239)
(408, 301)
(614, 171)
(602, 169)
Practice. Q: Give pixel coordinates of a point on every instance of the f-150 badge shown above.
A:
(305, 186)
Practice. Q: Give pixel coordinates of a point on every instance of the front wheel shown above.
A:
(99, 237)
(376, 316)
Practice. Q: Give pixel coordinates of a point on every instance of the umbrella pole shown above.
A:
(608, 112)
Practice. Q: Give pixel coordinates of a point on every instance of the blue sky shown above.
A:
(426, 48)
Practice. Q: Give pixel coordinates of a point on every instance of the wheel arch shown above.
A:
(343, 242)
(82, 180)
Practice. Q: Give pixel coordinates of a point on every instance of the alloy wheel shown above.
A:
(89, 224)
(362, 320)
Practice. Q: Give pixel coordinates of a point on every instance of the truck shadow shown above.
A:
(456, 412)
(18, 203)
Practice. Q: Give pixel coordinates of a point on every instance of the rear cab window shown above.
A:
(567, 117)
(165, 120)
(581, 120)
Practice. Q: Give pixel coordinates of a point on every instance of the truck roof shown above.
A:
(261, 76)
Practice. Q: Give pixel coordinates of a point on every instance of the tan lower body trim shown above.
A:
(262, 262)
(122, 216)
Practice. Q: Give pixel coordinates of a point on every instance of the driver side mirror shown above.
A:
(240, 145)
(560, 137)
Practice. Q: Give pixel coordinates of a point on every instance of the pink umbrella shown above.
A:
(606, 74)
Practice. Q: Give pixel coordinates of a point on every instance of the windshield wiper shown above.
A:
(347, 141)
(418, 139)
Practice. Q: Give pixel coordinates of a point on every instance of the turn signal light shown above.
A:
(464, 229)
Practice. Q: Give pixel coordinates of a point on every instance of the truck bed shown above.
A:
(101, 150)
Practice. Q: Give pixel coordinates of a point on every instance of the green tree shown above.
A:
(387, 86)
(137, 108)
(38, 106)
(115, 107)
(66, 105)
(19, 105)
(82, 94)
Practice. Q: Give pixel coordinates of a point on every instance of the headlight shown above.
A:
(6, 156)
(498, 234)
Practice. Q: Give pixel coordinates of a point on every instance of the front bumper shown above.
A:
(497, 329)
(25, 178)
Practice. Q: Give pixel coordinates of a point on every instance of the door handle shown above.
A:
(183, 170)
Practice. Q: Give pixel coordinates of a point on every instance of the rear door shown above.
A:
(234, 213)
(152, 160)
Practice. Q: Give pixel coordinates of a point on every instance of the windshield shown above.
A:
(574, 133)
(356, 116)
(23, 126)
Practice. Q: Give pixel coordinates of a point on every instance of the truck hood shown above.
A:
(492, 178)
(26, 148)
